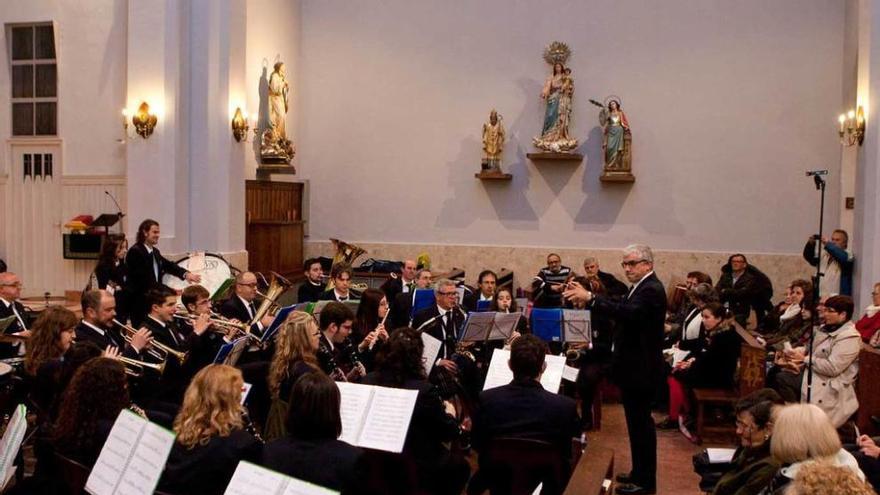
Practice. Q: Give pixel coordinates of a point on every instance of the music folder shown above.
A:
(132, 459)
(499, 372)
(229, 353)
(251, 479)
(11, 443)
(489, 325)
(375, 417)
(280, 318)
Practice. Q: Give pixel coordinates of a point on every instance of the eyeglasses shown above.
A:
(453, 293)
(18, 285)
(631, 264)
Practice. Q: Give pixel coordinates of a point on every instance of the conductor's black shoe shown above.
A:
(624, 478)
(667, 424)
(632, 489)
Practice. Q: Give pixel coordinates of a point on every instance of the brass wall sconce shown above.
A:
(852, 127)
(239, 125)
(144, 122)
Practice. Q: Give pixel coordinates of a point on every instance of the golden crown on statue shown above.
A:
(557, 53)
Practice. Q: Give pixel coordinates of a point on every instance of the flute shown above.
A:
(382, 323)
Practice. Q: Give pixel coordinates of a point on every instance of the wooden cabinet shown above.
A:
(274, 226)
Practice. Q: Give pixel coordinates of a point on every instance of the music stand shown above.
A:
(547, 324)
(576, 326)
(280, 318)
(229, 353)
(486, 326)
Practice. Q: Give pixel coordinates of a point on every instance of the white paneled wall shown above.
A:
(34, 212)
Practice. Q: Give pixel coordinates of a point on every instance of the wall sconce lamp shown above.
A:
(144, 122)
(239, 125)
(852, 127)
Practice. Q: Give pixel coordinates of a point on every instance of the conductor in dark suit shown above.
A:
(637, 364)
(146, 267)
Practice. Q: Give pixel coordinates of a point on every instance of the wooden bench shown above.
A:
(593, 473)
(750, 377)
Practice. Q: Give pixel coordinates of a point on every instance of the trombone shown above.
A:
(136, 368)
(160, 351)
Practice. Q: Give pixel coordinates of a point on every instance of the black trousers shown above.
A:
(642, 434)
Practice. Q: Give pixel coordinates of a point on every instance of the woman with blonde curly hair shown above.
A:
(295, 347)
(819, 478)
(211, 439)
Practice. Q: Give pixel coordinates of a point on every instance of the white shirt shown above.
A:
(93, 327)
(484, 298)
(339, 297)
(405, 284)
(155, 264)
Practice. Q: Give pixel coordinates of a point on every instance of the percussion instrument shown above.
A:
(213, 269)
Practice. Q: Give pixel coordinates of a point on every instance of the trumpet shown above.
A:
(222, 323)
(163, 350)
(136, 368)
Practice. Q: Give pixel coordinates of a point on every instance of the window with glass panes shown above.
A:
(34, 80)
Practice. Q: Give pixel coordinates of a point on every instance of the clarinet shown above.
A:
(351, 351)
(248, 424)
(325, 356)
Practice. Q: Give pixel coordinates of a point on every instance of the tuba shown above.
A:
(277, 286)
(345, 253)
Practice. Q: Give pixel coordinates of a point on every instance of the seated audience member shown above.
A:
(836, 263)
(311, 451)
(94, 398)
(312, 288)
(295, 346)
(341, 291)
(549, 282)
(675, 321)
(802, 434)
(368, 332)
(752, 467)
(400, 365)
(10, 291)
(402, 284)
(869, 323)
(822, 479)
(613, 286)
(51, 337)
(714, 367)
(211, 436)
(240, 306)
(523, 409)
(337, 356)
(486, 285)
(790, 320)
(401, 306)
(744, 288)
(692, 334)
(868, 457)
(835, 365)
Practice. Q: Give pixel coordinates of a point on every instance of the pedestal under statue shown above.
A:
(275, 147)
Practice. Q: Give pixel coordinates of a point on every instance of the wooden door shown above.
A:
(274, 238)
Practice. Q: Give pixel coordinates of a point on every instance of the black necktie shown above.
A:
(251, 309)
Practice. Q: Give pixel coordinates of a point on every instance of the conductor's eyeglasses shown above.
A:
(631, 264)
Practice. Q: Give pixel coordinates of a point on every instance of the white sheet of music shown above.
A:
(251, 479)
(388, 419)
(11, 443)
(431, 351)
(570, 373)
(148, 461)
(132, 458)
(355, 399)
(499, 372)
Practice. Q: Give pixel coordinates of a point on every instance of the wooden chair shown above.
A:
(593, 473)
(750, 377)
(866, 389)
(73, 474)
(515, 466)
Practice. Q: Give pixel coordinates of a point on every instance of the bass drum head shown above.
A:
(212, 267)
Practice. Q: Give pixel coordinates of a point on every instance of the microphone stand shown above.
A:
(119, 213)
(814, 315)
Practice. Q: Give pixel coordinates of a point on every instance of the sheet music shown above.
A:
(355, 399)
(11, 443)
(245, 389)
(720, 456)
(678, 355)
(115, 454)
(431, 351)
(300, 487)
(569, 373)
(499, 372)
(146, 465)
(388, 419)
(250, 479)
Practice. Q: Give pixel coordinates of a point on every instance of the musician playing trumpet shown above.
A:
(205, 339)
(337, 356)
(99, 310)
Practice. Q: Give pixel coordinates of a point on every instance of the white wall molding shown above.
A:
(93, 180)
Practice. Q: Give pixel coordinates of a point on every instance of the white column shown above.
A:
(866, 245)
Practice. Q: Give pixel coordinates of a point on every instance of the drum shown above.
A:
(213, 269)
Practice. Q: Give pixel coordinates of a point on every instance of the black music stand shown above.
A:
(489, 325)
(106, 220)
(576, 326)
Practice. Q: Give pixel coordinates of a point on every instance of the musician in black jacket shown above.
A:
(99, 311)
(111, 273)
(341, 291)
(146, 267)
(10, 291)
(241, 305)
(401, 306)
(313, 287)
(443, 321)
(637, 360)
(402, 283)
(312, 451)
(337, 356)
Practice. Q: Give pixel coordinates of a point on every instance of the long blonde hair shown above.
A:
(211, 406)
(292, 344)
